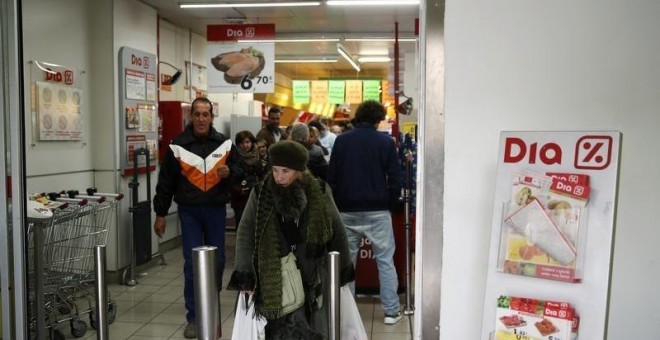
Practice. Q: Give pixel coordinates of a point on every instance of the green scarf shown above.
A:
(251, 157)
(267, 240)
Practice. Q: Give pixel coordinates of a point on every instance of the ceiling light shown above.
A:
(371, 2)
(293, 40)
(374, 59)
(381, 39)
(249, 4)
(344, 53)
(284, 60)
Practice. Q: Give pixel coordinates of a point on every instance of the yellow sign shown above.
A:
(319, 91)
(353, 91)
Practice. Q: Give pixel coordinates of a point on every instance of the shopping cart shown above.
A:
(62, 268)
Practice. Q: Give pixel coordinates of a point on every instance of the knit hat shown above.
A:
(288, 154)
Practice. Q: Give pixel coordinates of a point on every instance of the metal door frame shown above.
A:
(430, 189)
(12, 168)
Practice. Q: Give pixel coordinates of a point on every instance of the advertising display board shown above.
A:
(137, 102)
(241, 67)
(57, 102)
(551, 235)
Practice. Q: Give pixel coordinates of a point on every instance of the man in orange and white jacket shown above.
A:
(195, 174)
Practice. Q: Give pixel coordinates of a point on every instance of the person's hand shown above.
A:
(223, 171)
(159, 226)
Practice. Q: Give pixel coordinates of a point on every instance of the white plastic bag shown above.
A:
(247, 325)
(351, 324)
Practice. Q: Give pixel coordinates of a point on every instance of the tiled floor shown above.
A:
(154, 308)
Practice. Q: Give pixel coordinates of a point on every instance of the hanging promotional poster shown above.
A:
(241, 67)
(239, 61)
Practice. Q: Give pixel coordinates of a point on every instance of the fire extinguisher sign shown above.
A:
(580, 164)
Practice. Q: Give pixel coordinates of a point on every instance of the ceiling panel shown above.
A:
(318, 21)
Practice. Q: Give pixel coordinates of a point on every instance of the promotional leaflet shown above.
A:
(541, 229)
(529, 319)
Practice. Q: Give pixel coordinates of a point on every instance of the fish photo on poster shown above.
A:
(237, 64)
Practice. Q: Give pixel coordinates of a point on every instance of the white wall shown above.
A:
(134, 25)
(547, 65)
(47, 39)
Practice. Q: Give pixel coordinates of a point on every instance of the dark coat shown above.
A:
(365, 173)
(245, 278)
(179, 180)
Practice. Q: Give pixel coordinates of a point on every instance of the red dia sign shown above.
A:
(240, 32)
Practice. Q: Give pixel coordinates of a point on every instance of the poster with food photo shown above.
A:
(241, 67)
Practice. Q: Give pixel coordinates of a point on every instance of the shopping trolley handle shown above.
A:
(92, 191)
(55, 196)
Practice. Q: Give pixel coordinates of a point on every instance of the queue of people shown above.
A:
(290, 204)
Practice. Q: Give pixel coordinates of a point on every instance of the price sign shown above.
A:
(241, 67)
(336, 91)
(371, 90)
(300, 91)
(319, 91)
(354, 91)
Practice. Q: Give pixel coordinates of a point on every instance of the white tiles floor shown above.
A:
(154, 308)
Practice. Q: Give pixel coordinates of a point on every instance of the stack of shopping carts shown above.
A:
(61, 272)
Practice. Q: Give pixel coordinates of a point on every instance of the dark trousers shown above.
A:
(201, 226)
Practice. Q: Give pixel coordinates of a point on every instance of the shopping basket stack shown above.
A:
(61, 268)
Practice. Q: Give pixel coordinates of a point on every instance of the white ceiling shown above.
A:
(317, 21)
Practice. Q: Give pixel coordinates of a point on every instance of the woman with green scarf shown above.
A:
(291, 211)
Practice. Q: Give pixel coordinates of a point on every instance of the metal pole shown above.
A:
(39, 279)
(334, 302)
(409, 309)
(101, 293)
(206, 293)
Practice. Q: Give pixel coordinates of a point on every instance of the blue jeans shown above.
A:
(201, 226)
(377, 227)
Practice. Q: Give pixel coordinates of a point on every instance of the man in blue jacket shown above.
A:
(366, 179)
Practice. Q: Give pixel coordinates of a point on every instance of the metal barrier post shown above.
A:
(334, 303)
(409, 308)
(206, 293)
(101, 293)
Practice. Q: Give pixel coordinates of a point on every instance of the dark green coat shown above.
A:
(313, 265)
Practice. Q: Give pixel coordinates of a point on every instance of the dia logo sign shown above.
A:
(593, 152)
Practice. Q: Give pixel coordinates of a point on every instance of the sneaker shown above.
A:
(391, 319)
(190, 332)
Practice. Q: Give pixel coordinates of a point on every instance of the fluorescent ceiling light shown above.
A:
(292, 40)
(371, 2)
(344, 53)
(292, 61)
(248, 4)
(374, 59)
(380, 39)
